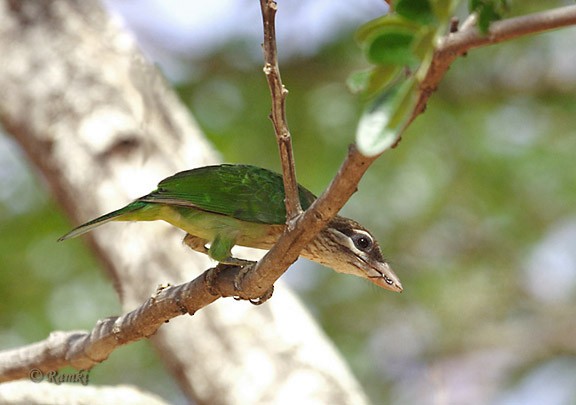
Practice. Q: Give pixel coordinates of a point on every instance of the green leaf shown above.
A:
(424, 43)
(444, 10)
(485, 18)
(391, 47)
(474, 5)
(380, 77)
(358, 81)
(415, 10)
(381, 125)
(387, 22)
(488, 12)
(372, 81)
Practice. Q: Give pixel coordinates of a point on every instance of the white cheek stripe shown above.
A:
(350, 244)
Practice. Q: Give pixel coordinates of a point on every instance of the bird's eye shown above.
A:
(362, 242)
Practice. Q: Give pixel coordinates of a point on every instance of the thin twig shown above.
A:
(278, 114)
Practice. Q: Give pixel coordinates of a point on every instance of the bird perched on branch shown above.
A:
(227, 205)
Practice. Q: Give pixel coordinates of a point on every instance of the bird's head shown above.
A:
(347, 247)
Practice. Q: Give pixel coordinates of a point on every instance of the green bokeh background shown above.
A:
(476, 210)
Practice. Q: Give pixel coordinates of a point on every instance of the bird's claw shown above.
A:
(261, 299)
(239, 277)
(238, 287)
(264, 297)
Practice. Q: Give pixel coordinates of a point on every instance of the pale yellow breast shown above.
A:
(207, 225)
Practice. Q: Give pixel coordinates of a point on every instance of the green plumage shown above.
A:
(243, 192)
(247, 193)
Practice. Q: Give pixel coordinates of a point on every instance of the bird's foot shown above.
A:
(196, 243)
(238, 287)
(212, 274)
(264, 297)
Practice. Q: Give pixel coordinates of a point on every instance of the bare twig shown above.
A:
(278, 115)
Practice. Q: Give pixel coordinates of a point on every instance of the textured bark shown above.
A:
(103, 128)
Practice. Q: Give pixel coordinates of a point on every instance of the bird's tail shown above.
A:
(118, 215)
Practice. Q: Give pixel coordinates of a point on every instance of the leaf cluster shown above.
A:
(400, 46)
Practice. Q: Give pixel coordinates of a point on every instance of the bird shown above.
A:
(221, 206)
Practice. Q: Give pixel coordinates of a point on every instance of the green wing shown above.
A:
(244, 192)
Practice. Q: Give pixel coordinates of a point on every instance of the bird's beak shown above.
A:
(383, 276)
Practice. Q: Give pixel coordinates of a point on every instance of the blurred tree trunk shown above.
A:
(103, 128)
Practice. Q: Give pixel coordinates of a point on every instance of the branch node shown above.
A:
(454, 21)
(116, 331)
(210, 276)
(159, 289)
(181, 307)
(268, 69)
